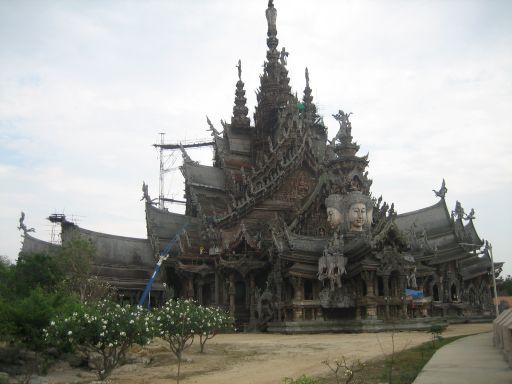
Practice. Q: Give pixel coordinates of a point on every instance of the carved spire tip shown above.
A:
(239, 66)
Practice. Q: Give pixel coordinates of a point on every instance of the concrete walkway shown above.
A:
(470, 360)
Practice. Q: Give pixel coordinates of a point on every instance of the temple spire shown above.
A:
(272, 41)
(307, 99)
(240, 110)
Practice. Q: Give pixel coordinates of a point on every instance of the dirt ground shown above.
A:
(254, 358)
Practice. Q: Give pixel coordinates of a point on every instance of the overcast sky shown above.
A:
(86, 86)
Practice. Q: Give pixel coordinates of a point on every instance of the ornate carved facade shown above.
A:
(283, 228)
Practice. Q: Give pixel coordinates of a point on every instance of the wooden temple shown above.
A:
(284, 232)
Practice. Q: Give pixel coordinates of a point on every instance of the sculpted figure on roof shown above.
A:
(345, 131)
(271, 14)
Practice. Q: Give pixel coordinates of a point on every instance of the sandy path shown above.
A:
(260, 358)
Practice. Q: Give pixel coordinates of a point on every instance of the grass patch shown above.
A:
(407, 364)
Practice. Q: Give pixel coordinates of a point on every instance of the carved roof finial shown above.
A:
(186, 157)
(283, 56)
(344, 134)
(240, 110)
(271, 15)
(145, 195)
(470, 216)
(442, 191)
(458, 212)
(22, 226)
(212, 128)
(307, 99)
(239, 66)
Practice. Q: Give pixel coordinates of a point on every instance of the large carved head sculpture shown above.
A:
(352, 212)
(333, 203)
(358, 209)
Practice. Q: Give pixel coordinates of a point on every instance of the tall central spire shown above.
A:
(272, 41)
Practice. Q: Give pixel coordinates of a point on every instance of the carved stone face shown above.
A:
(357, 216)
(334, 217)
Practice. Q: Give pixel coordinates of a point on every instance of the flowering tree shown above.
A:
(176, 323)
(211, 320)
(103, 331)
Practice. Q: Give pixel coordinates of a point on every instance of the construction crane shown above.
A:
(164, 255)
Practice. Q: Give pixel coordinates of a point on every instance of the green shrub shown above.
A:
(22, 321)
(302, 380)
(35, 270)
(436, 330)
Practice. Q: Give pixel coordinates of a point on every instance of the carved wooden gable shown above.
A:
(296, 187)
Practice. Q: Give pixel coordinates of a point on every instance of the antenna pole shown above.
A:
(161, 180)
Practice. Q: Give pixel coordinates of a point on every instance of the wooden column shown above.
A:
(371, 307)
(200, 284)
(190, 288)
(252, 299)
(385, 283)
(231, 293)
(298, 296)
(403, 297)
(216, 289)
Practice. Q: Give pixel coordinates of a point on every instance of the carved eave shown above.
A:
(447, 253)
(306, 271)
(202, 269)
(126, 277)
(477, 267)
(162, 227)
(243, 266)
(350, 161)
(204, 176)
(232, 239)
(472, 236)
(423, 270)
(390, 236)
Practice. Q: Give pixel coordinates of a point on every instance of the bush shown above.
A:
(35, 270)
(23, 320)
(436, 330)
(103, 331)
(302, 380)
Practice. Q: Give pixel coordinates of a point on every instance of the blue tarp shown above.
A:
(414, 294)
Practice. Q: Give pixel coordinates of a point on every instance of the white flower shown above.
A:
(111, 345)
(131, 321)
(70, 333)
(52, 323)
